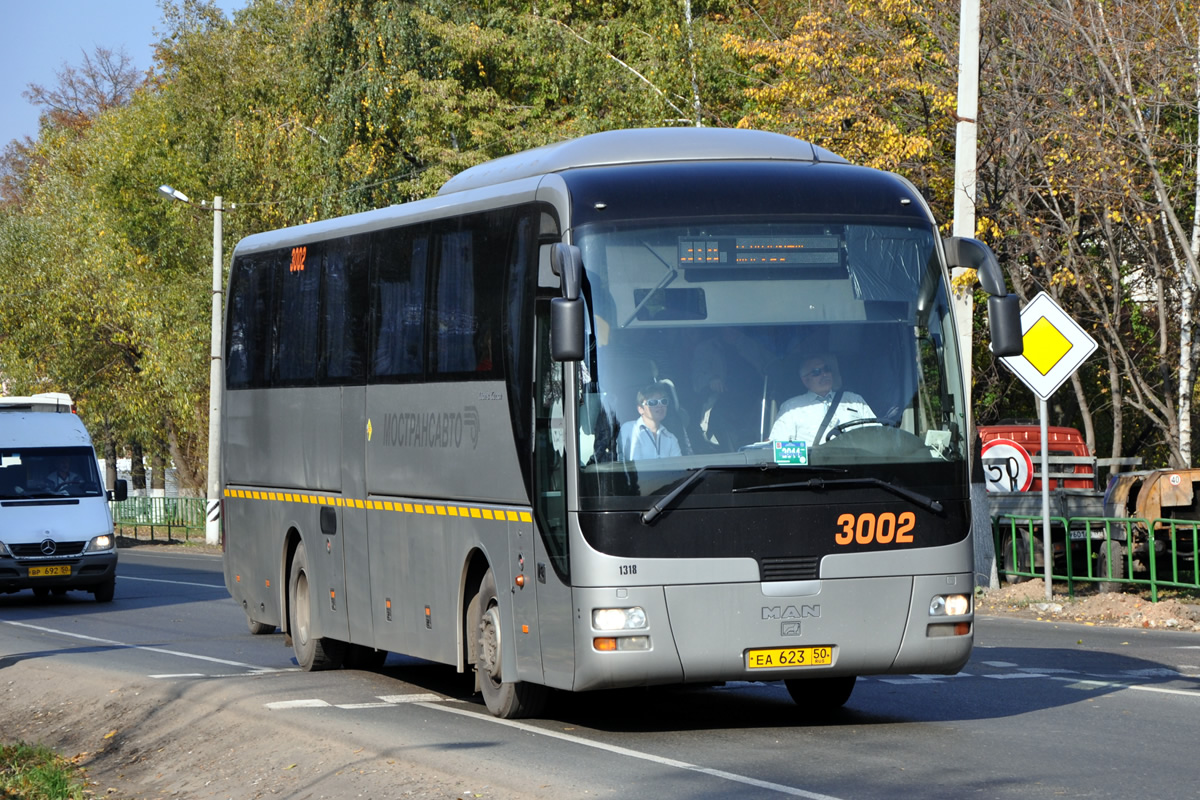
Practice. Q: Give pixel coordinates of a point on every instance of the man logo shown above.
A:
(789, 629)
(790, 612)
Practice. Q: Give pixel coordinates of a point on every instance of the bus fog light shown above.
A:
(951, 605)
(633, 643)
(618, 619)
(609, 644)
(941, 629)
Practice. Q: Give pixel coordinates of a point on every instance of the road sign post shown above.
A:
(1055, 346)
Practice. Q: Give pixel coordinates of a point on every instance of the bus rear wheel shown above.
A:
(818, 696)
(504, 700)
(313, 653)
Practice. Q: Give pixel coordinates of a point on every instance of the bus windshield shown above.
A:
(781, 343)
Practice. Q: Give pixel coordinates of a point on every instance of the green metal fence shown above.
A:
(169, 519)
(1116, 553)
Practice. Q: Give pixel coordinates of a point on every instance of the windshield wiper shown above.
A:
(651, 513)
(821, 483)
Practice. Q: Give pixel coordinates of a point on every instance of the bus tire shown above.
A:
(818, 696)
(313, 653)
(504, 700)
(1116, 561)
(259, 628)
(104, 592)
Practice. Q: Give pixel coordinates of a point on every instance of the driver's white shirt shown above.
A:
(800, 417)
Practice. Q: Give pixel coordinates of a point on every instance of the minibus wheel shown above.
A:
(104, 591)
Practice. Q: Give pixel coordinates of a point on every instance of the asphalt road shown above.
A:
(1041, 710)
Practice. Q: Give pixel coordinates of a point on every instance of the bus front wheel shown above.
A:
(312, 652)
(818, 696)
(504, 700)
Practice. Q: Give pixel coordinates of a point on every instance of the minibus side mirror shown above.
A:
(121, 492)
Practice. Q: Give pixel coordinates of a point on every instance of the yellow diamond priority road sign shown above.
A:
(1055, 346)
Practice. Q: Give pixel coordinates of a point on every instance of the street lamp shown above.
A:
(212, 528)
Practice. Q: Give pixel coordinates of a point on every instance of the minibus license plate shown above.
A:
(777, 657)
(45, 572)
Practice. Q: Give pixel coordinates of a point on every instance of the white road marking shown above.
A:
(1086, 684)
(126, 645)
(284, 704)
(1010, 675)
(423, 697)
(220, 586)
(625, 751)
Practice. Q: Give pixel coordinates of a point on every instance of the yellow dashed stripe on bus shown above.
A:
(494, 513)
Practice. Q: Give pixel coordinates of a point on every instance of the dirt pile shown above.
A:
(1112, 609)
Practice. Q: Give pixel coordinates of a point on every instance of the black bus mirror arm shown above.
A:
(1004, 311)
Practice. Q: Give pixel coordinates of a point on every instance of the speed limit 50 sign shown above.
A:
(1007, 466)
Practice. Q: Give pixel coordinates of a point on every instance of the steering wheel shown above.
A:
(838, 430)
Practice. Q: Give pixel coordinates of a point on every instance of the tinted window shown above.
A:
(398, 287)
(467, 296)
(344, 310)
(299, 317)
(249, 339)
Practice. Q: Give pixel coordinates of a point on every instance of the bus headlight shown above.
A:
(102, 542)
(950, 605)
(618, 619)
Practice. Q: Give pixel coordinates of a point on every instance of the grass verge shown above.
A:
(30, 772)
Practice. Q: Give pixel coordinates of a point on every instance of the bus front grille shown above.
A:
(790, 568)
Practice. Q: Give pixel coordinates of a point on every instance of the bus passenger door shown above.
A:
(551, 570)
(353, 524)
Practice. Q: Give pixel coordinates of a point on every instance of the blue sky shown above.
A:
(42, 35)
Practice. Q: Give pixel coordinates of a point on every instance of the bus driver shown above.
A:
(810, 416)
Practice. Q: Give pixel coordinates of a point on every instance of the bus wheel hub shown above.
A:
(489, 643)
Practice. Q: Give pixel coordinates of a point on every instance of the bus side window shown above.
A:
(343, 311)
(249, 342)
(299, 317)
(398, 266)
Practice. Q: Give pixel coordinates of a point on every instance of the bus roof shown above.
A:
(640, 146)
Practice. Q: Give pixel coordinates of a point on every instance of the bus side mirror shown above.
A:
(1004, 313)
(121, 492)
(566, 312)
(1004, 322)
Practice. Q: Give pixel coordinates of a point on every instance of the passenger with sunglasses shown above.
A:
(809, 417)
(645, 437)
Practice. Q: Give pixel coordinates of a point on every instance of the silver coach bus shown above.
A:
(431, 411)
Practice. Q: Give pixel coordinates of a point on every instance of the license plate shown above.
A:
(46, 572)
(785, 657)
